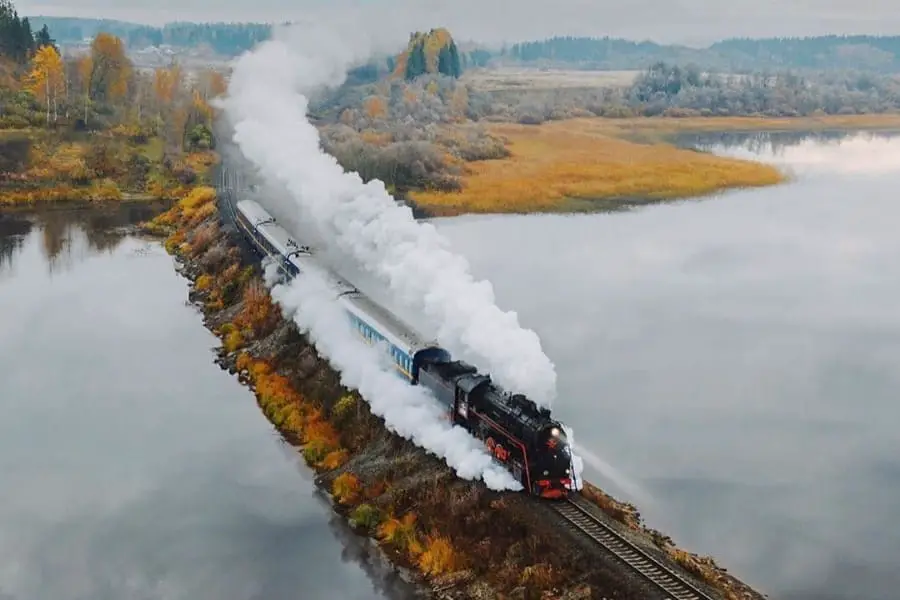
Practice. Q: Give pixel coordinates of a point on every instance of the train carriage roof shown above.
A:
(399, 333)
(392, 328)
(253, 211)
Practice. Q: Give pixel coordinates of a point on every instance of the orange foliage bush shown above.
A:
(244, 362)
(272, 387)
(319, 436)
(195, 200)
(439, 556)
(346, 488)
(259, 313)
(334, 459)
(401, 533)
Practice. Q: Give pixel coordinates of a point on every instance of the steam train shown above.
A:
(520, 435)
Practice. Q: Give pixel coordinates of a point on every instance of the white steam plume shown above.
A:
(410, 411)
(267, 104)
(634, 491)
(577, 462)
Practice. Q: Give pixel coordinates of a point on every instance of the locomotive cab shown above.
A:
(552, 472)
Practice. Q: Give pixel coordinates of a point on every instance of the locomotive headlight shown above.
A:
(568, 471)
(554, 432)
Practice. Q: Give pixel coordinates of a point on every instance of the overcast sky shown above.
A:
(681, 21)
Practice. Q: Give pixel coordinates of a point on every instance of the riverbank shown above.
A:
(602, 164)
(39, 167)
(454, 537)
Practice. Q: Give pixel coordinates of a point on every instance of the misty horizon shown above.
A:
(686, 22)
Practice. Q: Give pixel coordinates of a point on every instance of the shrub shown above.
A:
(204, 282)
(258, 313)
(195, 199)
(401, 533)
(343, 407)
(105, 189)
(346, 488)
(334, 459)
(233, 341)
(366, 516)
(315, 452)
(439, 556)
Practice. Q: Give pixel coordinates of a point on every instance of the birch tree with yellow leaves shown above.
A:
(46, 79)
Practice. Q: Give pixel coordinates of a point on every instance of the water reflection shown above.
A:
(13, 231)
(857, 153)
(735, 358)
(130, 465)
(70, 236)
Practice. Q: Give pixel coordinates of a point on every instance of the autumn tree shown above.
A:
(432, 52)
(46, 80)
(110, 69)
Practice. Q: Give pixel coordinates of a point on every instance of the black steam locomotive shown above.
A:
(520, 435)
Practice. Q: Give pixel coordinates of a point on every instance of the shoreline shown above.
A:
(80, 204)
(452, 536)
(599, 164)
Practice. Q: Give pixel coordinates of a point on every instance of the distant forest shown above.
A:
(863, 52)
(743, 55)
(228, 39)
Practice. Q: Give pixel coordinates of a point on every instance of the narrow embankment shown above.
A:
(455, 537)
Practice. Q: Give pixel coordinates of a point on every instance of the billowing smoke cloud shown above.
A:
(410, 411)
(267, 103)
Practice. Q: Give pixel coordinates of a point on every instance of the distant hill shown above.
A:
(879, 53)
(228, 39)
(861, 52)
(871, 53)
(70, 30)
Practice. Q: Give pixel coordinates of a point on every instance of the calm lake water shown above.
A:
(131, 466)
(732, 364)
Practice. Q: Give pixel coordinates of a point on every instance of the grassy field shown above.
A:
(508, 78)
(592, 164)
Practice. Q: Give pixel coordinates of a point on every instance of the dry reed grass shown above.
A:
(560, 162)
(557, 162)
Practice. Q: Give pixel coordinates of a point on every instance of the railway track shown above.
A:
(582, 521)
